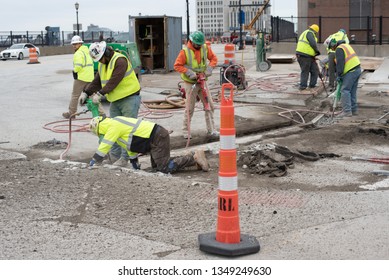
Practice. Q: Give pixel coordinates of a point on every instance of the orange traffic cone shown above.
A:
(229, 54)
(227, 240)
(33, 56)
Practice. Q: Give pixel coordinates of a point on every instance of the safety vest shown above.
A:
(131, 134)
(83, 64)
(339, 36)
(351, 58)
(127, 86)
(303, 45)
(191, 62)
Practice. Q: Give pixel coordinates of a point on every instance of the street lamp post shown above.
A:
(240, 26)
(77, 6)
(187, 20)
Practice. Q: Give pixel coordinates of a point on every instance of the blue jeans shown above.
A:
(126, 107)
(349, 91)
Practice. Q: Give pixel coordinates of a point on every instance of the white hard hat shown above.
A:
(94, 125)
(76, 40)
(96, 50)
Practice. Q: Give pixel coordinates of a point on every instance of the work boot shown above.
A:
(344, 115)
(213, 133)
(305, 91)
(201, 160)
(67, 115)
(110, 159)
(121, 162)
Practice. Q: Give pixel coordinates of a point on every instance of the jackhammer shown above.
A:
(91, 107)
(337, 97)
(201, 82)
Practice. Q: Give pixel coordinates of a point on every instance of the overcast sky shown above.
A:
(37, 14)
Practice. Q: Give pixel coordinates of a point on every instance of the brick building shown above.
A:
(367, 20)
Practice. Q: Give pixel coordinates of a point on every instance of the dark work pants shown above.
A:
(160, 154)
(331, 69)
(308, 67)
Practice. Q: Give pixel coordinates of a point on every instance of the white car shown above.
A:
(18, 51)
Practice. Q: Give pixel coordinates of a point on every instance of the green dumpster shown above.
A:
(130, 50)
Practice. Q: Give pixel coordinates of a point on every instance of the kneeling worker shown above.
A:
(140, 136)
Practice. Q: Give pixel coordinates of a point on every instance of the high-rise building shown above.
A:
(214, 18)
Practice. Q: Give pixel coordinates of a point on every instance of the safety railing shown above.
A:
(47, 38)
(360, 30)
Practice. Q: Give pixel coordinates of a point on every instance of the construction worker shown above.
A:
(338, 36)
(83, 73)
(117, 82)
(348, 71)
(192, 62)
(306, 53)
(140, 136)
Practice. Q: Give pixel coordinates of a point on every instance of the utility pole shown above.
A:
(187, 20)
(240, 25)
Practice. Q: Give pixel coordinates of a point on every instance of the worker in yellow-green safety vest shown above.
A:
(341, 35)
(306, 52)
(140, 136)
(190, 62)
(82, 73)
(117, 82)
(348, 70)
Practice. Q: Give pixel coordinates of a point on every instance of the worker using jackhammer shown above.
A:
(306, 53)
(348, 70)
(117, 82)
(140, 136)
(338, 36)
(82, 73)
(191, 62)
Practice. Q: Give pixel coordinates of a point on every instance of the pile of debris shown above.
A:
(274, 159)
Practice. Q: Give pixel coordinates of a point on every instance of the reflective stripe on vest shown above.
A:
(303, 45)
(192, 64)
(351, 59)
(84, 61)
(127, 86)
(134, 128)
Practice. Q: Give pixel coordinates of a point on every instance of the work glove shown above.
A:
(96, 98)
(75, 75)
(208, 72)
(135, 163)
(192, 75)
(82, 99)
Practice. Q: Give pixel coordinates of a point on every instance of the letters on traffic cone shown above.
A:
(228, 240)
(33, 56)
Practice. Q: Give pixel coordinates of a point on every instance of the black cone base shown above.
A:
(247, 245)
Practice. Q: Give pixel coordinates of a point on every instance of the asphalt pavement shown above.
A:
(35, 95)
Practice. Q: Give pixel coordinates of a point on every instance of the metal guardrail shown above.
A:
(47, 38)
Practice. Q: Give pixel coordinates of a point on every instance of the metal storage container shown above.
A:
(159, 40)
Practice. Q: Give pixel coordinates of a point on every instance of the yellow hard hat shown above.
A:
(314, 27)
